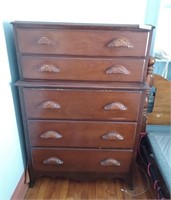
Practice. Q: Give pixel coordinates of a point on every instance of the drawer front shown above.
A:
(82, 104)
(81, 134)
(86, 69)
(81, 160)
(83, 42)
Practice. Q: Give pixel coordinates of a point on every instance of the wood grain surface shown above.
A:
(60, 189)
(161, 113)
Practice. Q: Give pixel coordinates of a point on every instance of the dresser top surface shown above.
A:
(86, 26)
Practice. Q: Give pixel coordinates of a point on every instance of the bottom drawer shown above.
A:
(81, 160)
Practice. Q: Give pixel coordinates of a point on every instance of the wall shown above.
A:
(107, 11)
(11, 161)
(163, 35)
(103, 11)
(151, 17)
(162, 42)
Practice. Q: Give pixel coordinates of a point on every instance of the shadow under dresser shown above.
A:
(83, 92)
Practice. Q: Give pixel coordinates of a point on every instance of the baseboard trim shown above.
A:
(20, 189)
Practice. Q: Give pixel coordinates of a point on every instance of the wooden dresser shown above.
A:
(82, 90)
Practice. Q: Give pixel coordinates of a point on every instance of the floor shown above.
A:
(65, 189)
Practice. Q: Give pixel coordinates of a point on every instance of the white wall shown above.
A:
(11, 162)
(90, 11)
(164, 28)
(107, 11)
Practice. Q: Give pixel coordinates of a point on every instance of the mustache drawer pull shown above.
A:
(110, 162)
(48, 68)
(118, 69)
(53, 161)
(112, 136)
(51, 134)
(115, 106)
(50, 105)
(120, 42)
(44, 40)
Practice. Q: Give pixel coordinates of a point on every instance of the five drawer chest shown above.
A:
(83, 92)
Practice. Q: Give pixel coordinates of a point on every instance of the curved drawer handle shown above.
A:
(118, 69)
(110, 162)
(120, 42)
(48, 68)
(51, 134)
(115, 106)
(53, 161)
(50, 105)
(44, 40)
(112, 136)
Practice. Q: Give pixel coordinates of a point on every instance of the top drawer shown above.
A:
(82, 42)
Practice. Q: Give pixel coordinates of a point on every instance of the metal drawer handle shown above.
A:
(115, 106)
(44, 40)
(112, 136)
(48, 68)
(53, 161)
(120, 42)
(118, 69)
(51, 134)
(110, 162)
(50, 105)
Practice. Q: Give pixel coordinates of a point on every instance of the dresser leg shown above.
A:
(130, 185)
(31, 184)
(32, 180)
